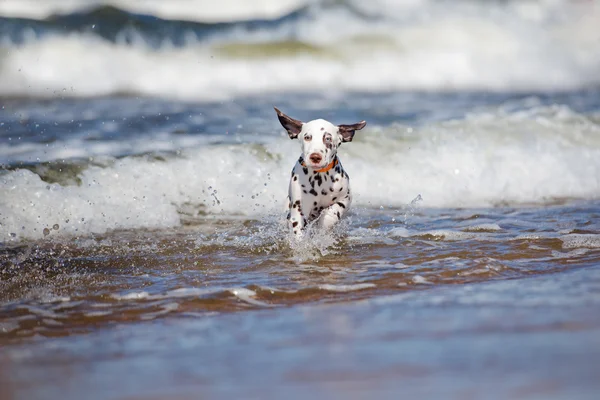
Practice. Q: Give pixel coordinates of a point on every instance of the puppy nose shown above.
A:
(315, 158)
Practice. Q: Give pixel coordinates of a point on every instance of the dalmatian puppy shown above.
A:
(319, 187)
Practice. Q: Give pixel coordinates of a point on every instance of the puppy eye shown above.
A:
(307, 137)
(327, 139)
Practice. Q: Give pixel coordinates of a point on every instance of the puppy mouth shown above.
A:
(318, 165)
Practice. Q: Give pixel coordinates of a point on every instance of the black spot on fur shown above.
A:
(304, 191)
(312, 191)
(323, 192)
(341, 204)
(295, 224)
(305, 170)
(338, 215)
(331, 189)
(315, 203)
(288, 216)
(295, 177)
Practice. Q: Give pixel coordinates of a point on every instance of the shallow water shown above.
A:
(460, 271)
(61, 287)
(143, 250)
(531, 338)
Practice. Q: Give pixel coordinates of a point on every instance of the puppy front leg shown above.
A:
(296, 219)
(332, 214)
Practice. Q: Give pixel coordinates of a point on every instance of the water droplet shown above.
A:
(46, 231)
(55, 227)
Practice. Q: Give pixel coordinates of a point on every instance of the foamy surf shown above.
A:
(194, 10)
(421, 46)
(493, 158)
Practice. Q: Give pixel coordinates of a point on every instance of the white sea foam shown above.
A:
(243, 294)
(247, 296)
(574, 240)
(490, 227)
(131, 296)
(451, 235)
(195, 10)
(346, 288)
(421, 280)
(484, 160)
(422, 45)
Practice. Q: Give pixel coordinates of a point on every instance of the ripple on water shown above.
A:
(60, 287)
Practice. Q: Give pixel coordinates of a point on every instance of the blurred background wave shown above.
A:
(204, 50)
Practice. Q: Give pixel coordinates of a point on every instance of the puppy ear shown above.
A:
(292, 126)
(347, 131)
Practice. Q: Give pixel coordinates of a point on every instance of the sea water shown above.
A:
(143, 176)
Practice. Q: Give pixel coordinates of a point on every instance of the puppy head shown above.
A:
(320, 139)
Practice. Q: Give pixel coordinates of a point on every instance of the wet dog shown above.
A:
(319, 187)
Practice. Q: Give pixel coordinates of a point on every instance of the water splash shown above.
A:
(317, 243)
(412, 207)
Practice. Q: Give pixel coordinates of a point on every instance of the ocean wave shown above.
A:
(428, 46)
(192, 10)
(123, 27)
(494, 158)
